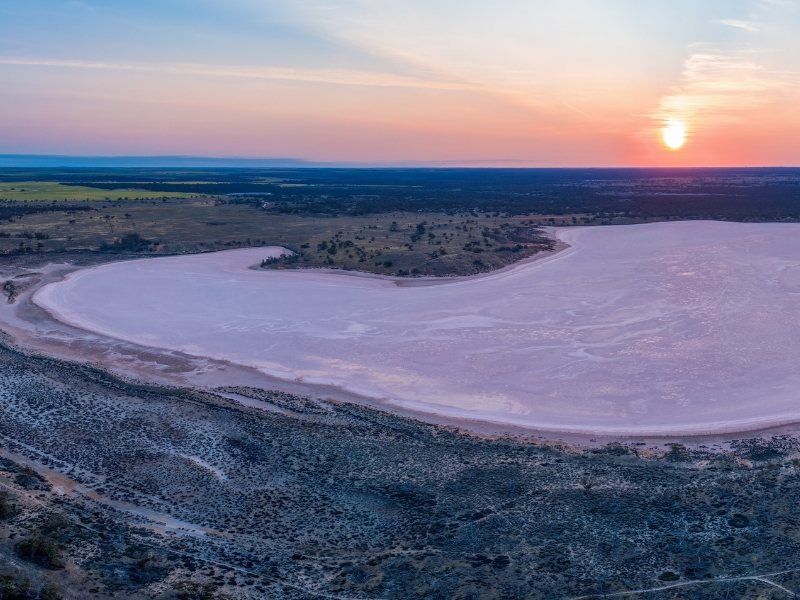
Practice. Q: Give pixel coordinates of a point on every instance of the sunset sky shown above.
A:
(507, 83)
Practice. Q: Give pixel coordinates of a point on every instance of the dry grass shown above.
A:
(405, 243)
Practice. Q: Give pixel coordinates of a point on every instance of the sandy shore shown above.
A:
(32, 329)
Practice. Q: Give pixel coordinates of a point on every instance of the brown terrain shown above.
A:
(397, 243)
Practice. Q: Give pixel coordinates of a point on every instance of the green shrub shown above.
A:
(131, 242)
(6, 510)
(31, 480)
(189, 590)
(41, 551)
(18, 587)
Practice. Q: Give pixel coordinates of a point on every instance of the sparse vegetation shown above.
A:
(190, 590)
(316, 498)
(41, 551)
(356, 243)
(17, 586)
(471, 221)
(6, 509)
(130, 242)
(29, 479)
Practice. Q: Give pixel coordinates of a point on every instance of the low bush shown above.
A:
(6, 509)
(19, 587)
(189, 590)
(31, 480)
(40, 550)
(131, 242)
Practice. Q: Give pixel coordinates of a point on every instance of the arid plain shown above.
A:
(223, 466)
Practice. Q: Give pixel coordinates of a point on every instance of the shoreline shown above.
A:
(34, 328)
(427, 280)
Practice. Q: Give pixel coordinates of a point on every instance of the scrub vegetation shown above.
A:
(169, 493)
(400, 222)
(740, 194)
(392, 243)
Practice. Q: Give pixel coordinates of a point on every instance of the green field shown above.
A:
(49, 190)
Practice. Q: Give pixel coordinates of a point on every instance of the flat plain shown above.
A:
(33, 191)
(120, 487)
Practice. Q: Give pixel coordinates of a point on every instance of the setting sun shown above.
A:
(674, 134)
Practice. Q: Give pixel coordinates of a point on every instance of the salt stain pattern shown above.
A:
(683, 327)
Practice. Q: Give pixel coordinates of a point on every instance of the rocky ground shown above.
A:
(110, 488)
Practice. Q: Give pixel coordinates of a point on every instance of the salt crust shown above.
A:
(667, 328)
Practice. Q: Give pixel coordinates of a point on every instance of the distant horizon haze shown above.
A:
(45, 161)
(49, 161)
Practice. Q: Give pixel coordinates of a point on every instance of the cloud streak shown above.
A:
(746, 25)
(325, 76)
(716, 87)
(568, 105)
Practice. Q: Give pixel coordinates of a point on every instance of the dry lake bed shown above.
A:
(666, 328)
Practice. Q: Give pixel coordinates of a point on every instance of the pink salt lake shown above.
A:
(674, 328)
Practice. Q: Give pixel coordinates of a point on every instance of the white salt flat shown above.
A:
(683, 327)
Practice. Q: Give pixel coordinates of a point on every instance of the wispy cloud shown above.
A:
(716, 87)
(330, 76)
(746, 25)
(568, 105)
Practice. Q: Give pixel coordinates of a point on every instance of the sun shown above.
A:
(674, 134)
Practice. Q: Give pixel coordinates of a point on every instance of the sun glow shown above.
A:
(674, 134)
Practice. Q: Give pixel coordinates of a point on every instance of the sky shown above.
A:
(535, 83)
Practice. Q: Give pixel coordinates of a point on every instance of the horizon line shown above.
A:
(10, 161)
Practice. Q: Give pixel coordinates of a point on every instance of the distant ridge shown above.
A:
(45, 161)
(197, 162)
(203, 162)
